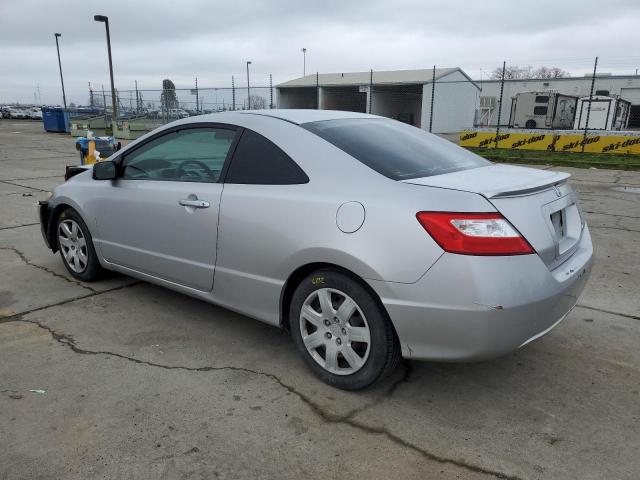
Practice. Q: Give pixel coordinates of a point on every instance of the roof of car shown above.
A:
(300, 116)
(297, 116)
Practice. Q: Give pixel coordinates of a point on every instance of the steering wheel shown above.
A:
(180, 169)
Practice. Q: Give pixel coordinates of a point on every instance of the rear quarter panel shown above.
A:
(266, 232)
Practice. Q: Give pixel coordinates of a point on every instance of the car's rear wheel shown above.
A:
(341, 331)
(76, 247)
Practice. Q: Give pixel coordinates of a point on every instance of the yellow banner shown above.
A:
(552, 141)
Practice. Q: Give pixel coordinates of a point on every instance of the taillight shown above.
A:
(474, 233)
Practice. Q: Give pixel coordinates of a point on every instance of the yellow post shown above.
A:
(91, 153)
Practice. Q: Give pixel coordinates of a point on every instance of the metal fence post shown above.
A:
(104, 103)
(433, 94)
(317, 91)
(370, 91)
(270, 92)
(586, 123)
(91, 100)
(137, 98)
(197, 98)
(504, 66)
(233, 93)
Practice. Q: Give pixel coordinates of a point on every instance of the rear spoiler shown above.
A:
(530, 187)
(495, 180)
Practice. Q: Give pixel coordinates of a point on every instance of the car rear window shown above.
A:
(395, 150)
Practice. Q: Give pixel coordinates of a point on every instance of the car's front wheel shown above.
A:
(76, 247)
(341, 330)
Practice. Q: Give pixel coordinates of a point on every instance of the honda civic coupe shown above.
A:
(366, 238)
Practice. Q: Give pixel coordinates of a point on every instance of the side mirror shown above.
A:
(105, 171)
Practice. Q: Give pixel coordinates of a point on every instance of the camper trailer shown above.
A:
(608, 112)
(542, 110)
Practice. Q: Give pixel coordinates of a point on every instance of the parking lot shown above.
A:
(123, 379)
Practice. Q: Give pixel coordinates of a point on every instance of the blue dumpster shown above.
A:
(55, 120)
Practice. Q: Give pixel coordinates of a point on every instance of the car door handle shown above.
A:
(193, 203)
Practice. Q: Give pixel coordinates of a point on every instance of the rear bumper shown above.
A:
(468, 308)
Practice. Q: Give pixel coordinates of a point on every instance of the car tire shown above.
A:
(342, 331)
(76, 247)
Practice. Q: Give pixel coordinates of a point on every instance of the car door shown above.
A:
(263, 197)
(160, 217)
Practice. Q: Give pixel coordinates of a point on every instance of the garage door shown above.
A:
(632, 95)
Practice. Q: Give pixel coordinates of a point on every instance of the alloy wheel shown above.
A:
(335, 331)
(73, 245)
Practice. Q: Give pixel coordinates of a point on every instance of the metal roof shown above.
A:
(560, 79)
(363, 78)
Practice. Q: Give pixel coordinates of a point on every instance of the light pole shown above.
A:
(105, 20)
(304, 62)
(248, 88)
(64, 97)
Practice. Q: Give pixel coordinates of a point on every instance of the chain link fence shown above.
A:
(445, 101)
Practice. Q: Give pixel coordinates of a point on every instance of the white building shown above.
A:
(626, 86)
(402, 94)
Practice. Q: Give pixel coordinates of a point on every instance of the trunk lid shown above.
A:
(539, 203)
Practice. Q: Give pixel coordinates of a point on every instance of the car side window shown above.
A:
(190, 155)
(259, 161)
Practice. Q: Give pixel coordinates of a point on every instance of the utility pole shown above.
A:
(586, 123)
(104, 19)
(64, 97)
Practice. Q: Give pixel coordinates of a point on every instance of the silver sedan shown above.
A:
(368, 239)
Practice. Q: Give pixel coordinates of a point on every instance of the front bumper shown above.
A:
(45, 222)
(469, 308)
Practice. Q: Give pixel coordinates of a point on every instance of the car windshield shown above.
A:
(395, 150)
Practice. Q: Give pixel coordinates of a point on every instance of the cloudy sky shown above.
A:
(180, 40)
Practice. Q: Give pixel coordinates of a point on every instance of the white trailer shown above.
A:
(542, 110)
(608, 112)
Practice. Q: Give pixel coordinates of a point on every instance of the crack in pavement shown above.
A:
(611, 214)
(23, 186)
(605, 227)
(69, 341)
(20, 226)
(24, 258)
(610, 312)
(34, 178)
(17, 316)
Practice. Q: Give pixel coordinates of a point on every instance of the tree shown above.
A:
(256, 102)
(550, 72)
(168, 98)
(515, 72)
